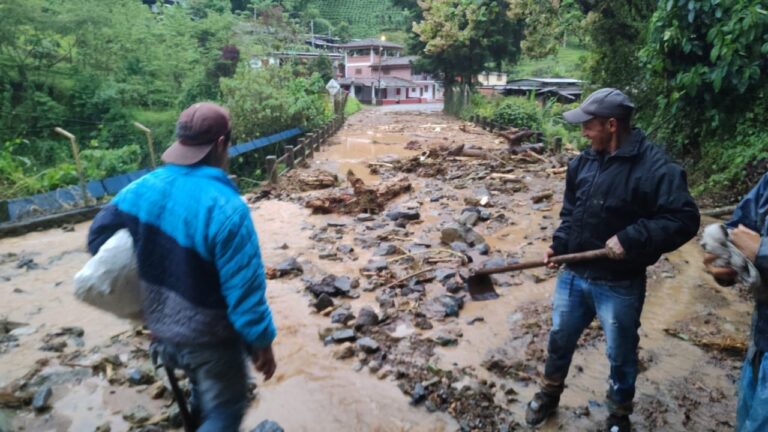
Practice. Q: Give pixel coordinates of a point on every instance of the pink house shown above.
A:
(375, 72)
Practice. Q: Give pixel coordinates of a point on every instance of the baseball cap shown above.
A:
(197, 130)
(606, 103)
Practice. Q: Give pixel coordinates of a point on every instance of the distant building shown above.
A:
(491, 78)
(376, 72)
(565, 90)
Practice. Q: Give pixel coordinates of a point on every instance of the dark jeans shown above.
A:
(752, 410)
(618, 306)
(218, 378)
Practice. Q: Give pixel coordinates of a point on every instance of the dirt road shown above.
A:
(435, 366)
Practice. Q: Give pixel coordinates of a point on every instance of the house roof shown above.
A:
(545, 81)
(369, 43)
(397, 61)
(385, 82)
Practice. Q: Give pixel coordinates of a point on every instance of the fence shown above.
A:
(64, 200)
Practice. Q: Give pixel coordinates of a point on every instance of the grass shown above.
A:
(567, 63)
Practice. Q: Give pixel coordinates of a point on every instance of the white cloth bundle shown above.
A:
(110, 280)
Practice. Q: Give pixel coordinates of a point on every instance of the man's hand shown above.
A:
(725, 276)
(547, 256)
(747, 241)
(264, 361)
(615, 250)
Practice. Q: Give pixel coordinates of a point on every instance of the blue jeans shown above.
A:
(752, 411)
(218, 380)
(618, 306)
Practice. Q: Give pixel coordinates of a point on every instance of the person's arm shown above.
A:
(745, 227)
(675, 217)
(559, 244)
(243, 282)
(106, 223)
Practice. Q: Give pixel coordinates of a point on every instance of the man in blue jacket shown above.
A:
(624, 194)
(749, 233)
(201, 275)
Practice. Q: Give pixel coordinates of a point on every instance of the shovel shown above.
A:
(480, 285)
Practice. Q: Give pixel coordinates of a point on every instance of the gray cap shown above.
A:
(606, 103)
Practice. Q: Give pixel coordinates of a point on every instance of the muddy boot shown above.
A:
(618, 423)
(541, 407)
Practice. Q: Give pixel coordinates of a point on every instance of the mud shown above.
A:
(432, 359)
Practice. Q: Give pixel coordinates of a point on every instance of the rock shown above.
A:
(344, 335)
(385, 301)
(27, 263)
(323, 302)
(289, 267)
(345, 351)
(485, 215)
(327, 254)
(375, 366)
(138, 376)
(453, 286)
(402, 223)
(345, 284)
(385, 249)
(447, 337)
(442, 274)
(452, 233)
(416, 247)
(473, 238)
(450, 304)
(410, 215)
(267, 426)
(367, 317)
(72, 331)
(435, 198)
(104, 427)
(326, 285)
(364, 217)
(42, 397)
(157, 390)
(345, 249)
(358, 367)
(335, 224)
(422, 323)
(342, 316)
(367, 345)
(483, 249)
(460, 247)
(418, 394)
(376, 265)
(54, 346)
(137, 415)
(469, 219)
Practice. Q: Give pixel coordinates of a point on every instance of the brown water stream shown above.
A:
(312, 391)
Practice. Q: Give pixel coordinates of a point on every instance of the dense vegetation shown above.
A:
(93, 68)
(697, 69)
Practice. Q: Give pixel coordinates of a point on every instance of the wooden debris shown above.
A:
(557, 171)
(541, 196)
(363, 199)
(515, 137)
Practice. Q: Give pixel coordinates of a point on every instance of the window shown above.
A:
(426, 89)
(358, 71)
(397, 92)
(386, 71)
(421, 91)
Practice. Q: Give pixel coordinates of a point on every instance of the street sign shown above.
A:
(333, 87)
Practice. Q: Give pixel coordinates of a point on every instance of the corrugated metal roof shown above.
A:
(370, 42)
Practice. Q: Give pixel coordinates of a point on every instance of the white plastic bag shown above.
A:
(110, 280)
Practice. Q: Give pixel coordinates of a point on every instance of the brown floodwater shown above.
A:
(311, 391)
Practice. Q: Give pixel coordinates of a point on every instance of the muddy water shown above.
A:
(312, 391)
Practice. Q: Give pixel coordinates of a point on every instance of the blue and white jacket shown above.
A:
(202, 277)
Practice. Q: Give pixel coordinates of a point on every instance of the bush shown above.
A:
(352, 106)
(519, 113)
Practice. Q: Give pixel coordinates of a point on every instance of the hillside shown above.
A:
(366, 18)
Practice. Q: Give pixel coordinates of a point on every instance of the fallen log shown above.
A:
(539, 197)
(515, 137)
(363, 199)
(719, 212)
(535, 148)
(466, 129)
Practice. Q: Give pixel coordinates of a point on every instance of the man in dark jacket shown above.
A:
(626, 195)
